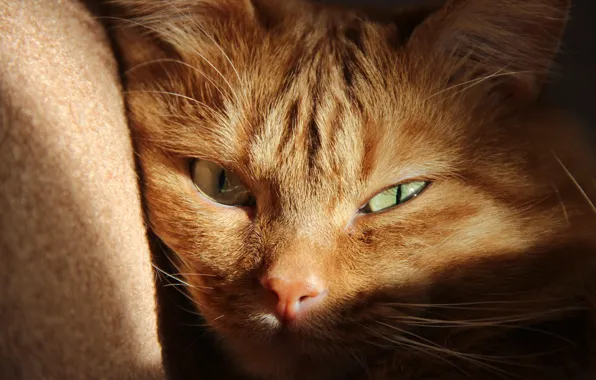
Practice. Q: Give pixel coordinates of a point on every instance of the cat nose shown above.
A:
(294, 296)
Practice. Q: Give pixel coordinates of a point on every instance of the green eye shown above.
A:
(219, 185)
(394, 196)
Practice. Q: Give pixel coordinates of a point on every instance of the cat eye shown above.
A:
(394, 196)
(219, 185)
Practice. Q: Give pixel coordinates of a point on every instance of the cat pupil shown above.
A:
(398, 195)
(221, 180)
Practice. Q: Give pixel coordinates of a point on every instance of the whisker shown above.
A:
(361, 362)
(475, 82)
(169, 275)
(424, 349)
(153, 140)
(498, 359)
(212, 40)
(176, 122)
(494, 75)
(174, 264)
(467, 305)
(572, 178)
(162, 60)
(474, 359)
(504, 319)
(194, 286)
(495, 322)
(200, 325)
(563, 208)
(158, 271)
(404, 344)
(195, 274)
(410, 333)
(173, 37)
(502, 326)
(528, 207)
(172, 94)
(180, 281)
(189, 298)
(192, 312)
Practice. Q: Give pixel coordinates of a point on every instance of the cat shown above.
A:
(355, 194)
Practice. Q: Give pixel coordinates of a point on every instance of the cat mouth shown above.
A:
(268, 329)
(295, 330)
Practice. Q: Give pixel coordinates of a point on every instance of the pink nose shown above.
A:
(294, 297)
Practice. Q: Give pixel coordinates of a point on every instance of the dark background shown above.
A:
(575, 87)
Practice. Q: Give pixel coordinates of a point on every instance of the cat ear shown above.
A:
(509, 43)
(156, 28)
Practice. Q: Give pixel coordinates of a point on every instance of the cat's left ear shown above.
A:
(153, 29)
(512, 42)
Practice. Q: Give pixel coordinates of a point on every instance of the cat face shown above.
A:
(327, 181)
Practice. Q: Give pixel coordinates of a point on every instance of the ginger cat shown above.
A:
(356, 194)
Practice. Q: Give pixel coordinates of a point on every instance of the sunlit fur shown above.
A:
(489, 273)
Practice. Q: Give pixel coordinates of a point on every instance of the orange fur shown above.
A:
(489, 273)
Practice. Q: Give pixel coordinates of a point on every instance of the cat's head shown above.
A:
(327, 179)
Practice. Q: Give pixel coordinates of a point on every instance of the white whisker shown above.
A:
(180, 281)
(196, 274)
(474, 359)
(572, 178)
(473, 81)
(172, 94)
(495, 75)
(563, 208)
(163, 60)
(457, 305)
(407, 343)
(212, 40)
(173, 37)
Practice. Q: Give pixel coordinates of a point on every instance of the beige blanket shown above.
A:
(76, 287)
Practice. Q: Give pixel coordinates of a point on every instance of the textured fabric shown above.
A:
(76, 289)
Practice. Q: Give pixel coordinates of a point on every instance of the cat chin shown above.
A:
(281, 362)
(272, 351)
